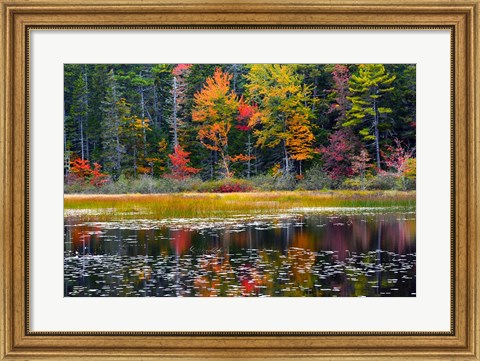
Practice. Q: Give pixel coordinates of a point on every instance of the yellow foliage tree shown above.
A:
(283, 118)
(300, 139)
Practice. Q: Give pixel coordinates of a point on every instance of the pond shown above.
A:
(338, 253)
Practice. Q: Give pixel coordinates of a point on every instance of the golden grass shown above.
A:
(201, 205)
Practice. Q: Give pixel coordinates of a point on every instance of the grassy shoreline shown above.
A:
(201, 205)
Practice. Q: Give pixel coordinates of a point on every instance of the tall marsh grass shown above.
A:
(206, 205)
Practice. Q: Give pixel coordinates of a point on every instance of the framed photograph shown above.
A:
(223, 179)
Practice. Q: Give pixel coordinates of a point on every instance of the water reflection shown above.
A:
(302, 255)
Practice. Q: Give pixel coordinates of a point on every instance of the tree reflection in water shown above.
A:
(308, 255)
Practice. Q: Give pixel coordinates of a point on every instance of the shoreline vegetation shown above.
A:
(207, 205)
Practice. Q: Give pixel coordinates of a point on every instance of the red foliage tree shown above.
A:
(397, 157)
(180, 69)
(245, 114)
(98, 178)
(401, 160)
(339, 154)
(180, 168)
(82, 172)
(80, 168)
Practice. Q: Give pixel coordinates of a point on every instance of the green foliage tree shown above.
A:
(367, 89)
(402, 101)
(113, 112)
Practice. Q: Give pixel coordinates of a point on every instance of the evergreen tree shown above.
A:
(97, 79)
(367, 88)
(402, 101)
(113, 111)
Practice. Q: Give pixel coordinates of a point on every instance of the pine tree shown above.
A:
(112, 114)
(133, 134)
(162, 93)
(142, 81)
(402, 101)
(367, 89)
(75, 114)
(97, 79)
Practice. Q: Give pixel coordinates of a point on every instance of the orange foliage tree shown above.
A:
(299, 139)
(215, 106)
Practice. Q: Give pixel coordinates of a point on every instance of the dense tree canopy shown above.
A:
(216, 121)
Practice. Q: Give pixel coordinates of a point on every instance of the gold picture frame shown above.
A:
(19, 17)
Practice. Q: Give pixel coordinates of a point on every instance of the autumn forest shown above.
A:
(240, 180)
(162, 128)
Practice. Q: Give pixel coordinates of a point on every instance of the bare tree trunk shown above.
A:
(135, 161)
(81, 137)
(117, 131)
(375, 125)
(234, 78)
(160, 111)
(287, 163)
(175, 134)
(66, 155)
(143, 124)
(225, 165)
(212, 161)
(117, 165)
(155, 105)
(249, 148)
(315, 92)
(85, 110)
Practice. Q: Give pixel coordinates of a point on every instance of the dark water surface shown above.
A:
(369, 254)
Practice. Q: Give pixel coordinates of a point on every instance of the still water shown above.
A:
(321, 255)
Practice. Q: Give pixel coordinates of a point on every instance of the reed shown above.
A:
(201, 205)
